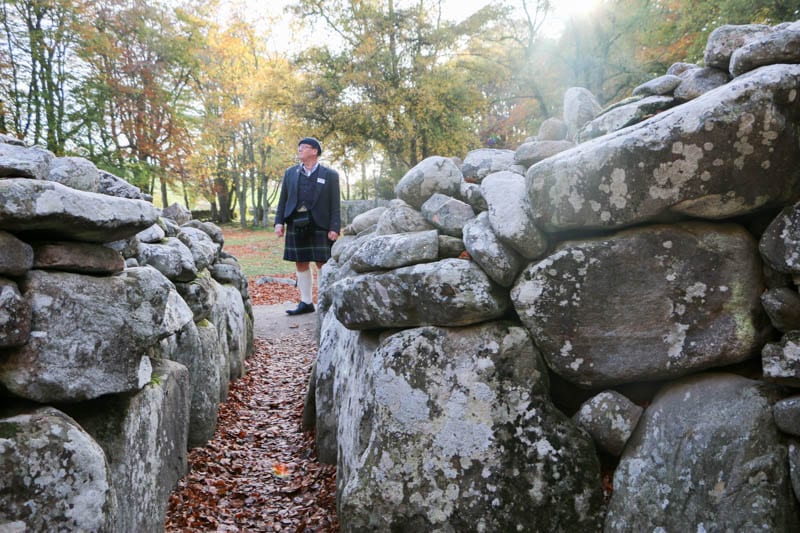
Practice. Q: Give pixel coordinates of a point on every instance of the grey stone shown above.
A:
(16, 256)
(200, 294)
(204, 250)
(580, 106)
(663, 85)
(787, 415)
(699, 81)
(209, 228)
(552, 129)
(625, 115)
(781, 360)
(450, 247)
(55, 476)
(471, 194)
(510, 214)
(78, 257)
(172, 258)
(532, 152)
(450, 292)
(497, 259)
(152, 235)
(780, 242)
(777, 46)
(400, 217)
(643, 304)
(385, 252)
(447, 214)
(144, 438)
(364, 220)
(783, 308)
(432, 175)
(680, 68)
(610, 419)
(463, 437)
(724, 40)
(480, 163)
(62, 212)
(15, 315)
(21, 162)
(112, 185)
(706, 456)
(727, 153)
(178, 213)
(89, 335)
(76, 172)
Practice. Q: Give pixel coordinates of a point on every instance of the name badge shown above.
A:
(321, 180)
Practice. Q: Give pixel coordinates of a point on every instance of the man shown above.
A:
(309, 215)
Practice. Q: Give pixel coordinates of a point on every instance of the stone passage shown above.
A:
(120, 328)
(634, 268)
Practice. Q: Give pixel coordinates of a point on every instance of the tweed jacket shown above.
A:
(325, 209)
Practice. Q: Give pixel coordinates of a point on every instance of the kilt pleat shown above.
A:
(310, 247)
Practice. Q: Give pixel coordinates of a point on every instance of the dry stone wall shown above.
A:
(624, 299)
(120, 328)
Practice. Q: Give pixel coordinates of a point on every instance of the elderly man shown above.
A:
(309, 215)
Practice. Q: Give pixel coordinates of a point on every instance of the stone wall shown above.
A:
(596, 331)
(120, 329)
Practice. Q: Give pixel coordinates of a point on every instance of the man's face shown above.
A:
(306, 152)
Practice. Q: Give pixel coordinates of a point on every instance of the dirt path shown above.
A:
(259, 472)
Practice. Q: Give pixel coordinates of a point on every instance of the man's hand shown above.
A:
(332, 235)
(279, 230)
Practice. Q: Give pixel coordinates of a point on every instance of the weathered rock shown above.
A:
(180, 214)
(777, 46)
(200, 294)
(62, 212)
(729, 152)
(55, 476)
(346, 244)
(385, 252)
(89, 334)
(10, 139)
(79, 257)
(400, 217)
(16, 257)
(706, 456)
(450, 292)
(447, 214)
(780, 242)
(152, 235)
(234, 327)
(450, 247)
(783, 308)
(781, 360)
(625, 115)
(171, 228)
(365, 220)
(463, 437)
(15, 315)
(172, 258)
(480, 163)
(663, 85)
(432, 175)
(144, 438)
(532, 152)
(552, 129)
(471, 194)
(21, 162)
(610, 419)
(644, 305)
(510, 214)
(680, 68)
(699, 81)
(724, 40)
(209, 228)
(76, 172)
(498, 260)
(232, 274)
(204, 250)
(129, 248)
(112, 185)
(794, 467)
(786, 413)
(580, 106)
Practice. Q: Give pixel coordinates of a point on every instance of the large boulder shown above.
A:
(729, 152)
(400, 217)
(447, 214)
(510, 214)
(644, 304)
(625, 115)
(778, 46)
(450, 292)
(431, 175)
(90, 335)
(497, 259)
(726, 39)
(699, 81)
(144, 438)
(385, 252)
(706, 456)
(463, 437)
(62, 212)
(580, 106)
(15, 315)
(79, 257)
(171, 257)
(76, 172)
(16, 257)
(20, 162)
(480, 163)
(55, 476)
(780, 242)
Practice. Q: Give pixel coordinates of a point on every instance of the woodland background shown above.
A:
(179, 99)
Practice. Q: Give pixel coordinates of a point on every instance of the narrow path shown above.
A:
(259, 472)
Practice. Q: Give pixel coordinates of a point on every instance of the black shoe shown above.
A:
(301, 309)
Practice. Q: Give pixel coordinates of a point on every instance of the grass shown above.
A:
(259, 250)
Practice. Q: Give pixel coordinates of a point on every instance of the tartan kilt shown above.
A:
(312, 247)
